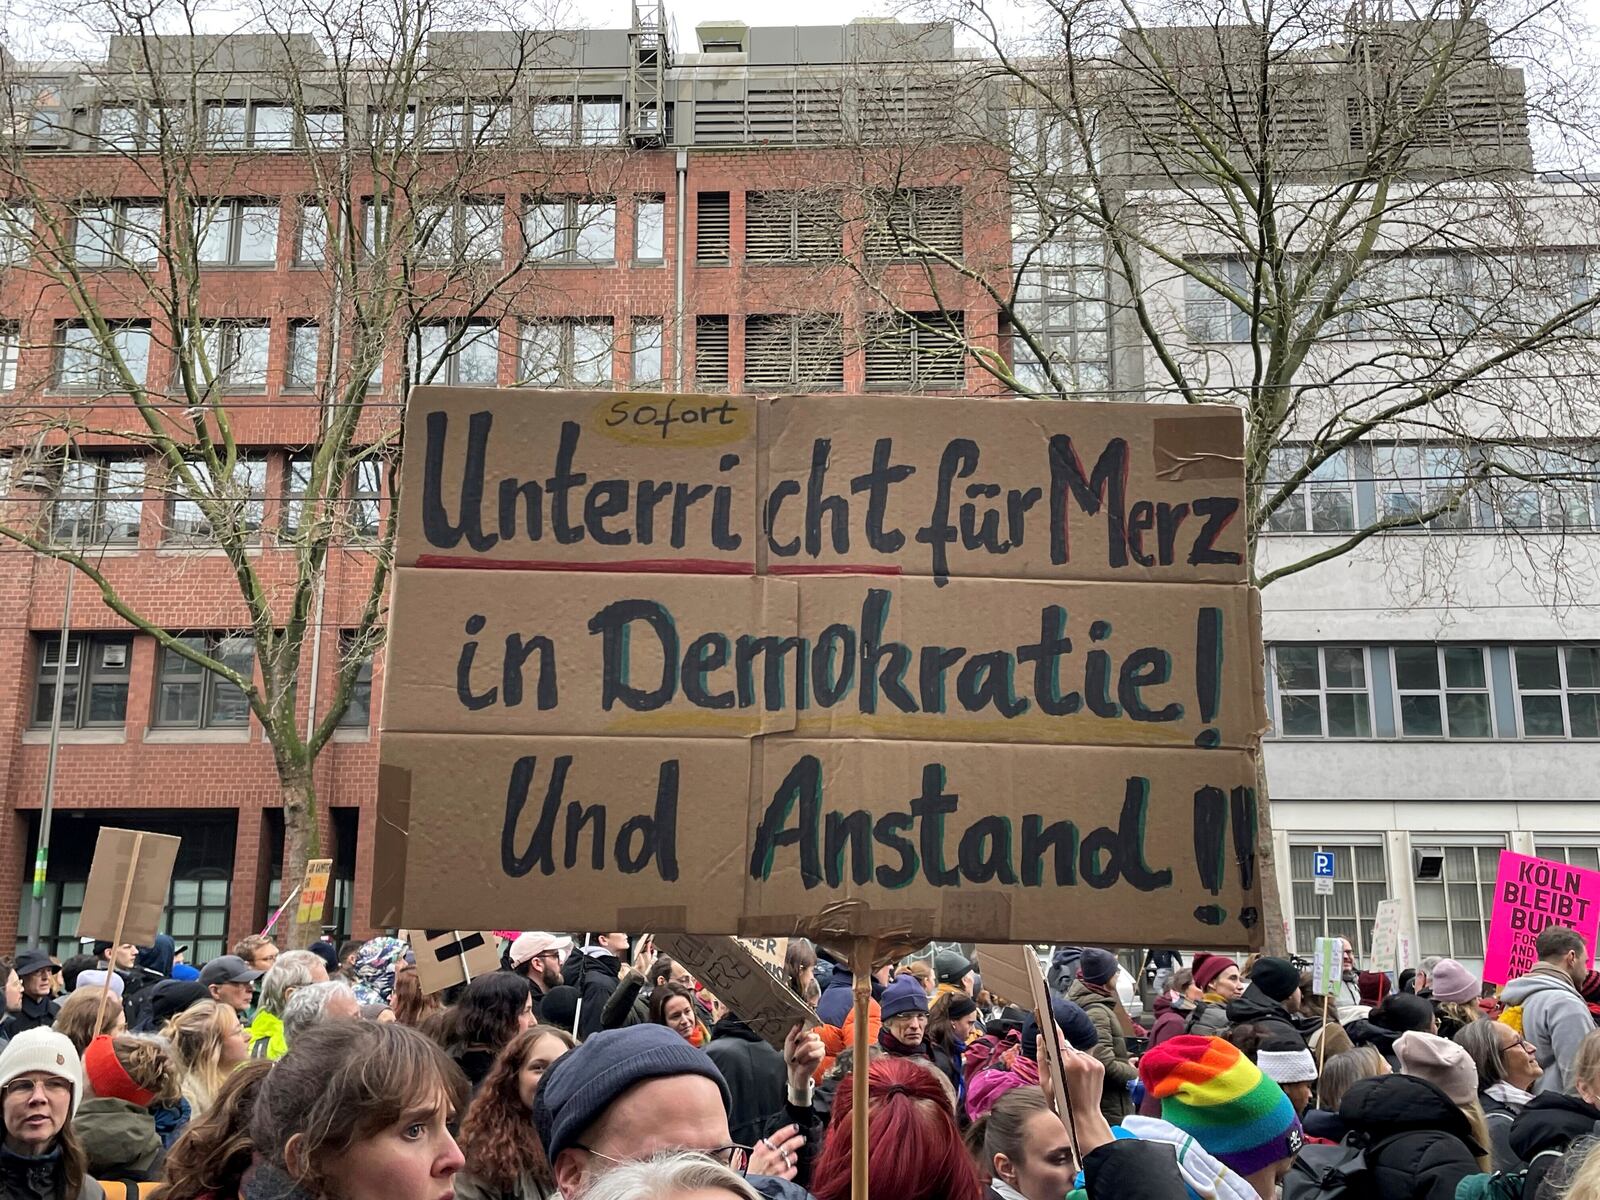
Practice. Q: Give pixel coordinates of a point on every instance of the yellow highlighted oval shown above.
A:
(665, 419)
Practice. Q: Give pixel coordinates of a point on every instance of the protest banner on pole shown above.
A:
(446, 957)
(967, 661)
(1530, 894)
(745, 983)
(313, 900)
(126, 895)
(1326, 961)
(1015, 973)
(1385, 952)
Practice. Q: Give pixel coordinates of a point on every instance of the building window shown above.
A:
(1558, 690)
(311, 236)
(711, 353)
(121, 127)
(1587, 857)
(1209, 315)
(916, 351)
(358, 714)
(366, 498)
(226, 125)
(575, 229)
(1060, 301)
(10, 351)
(237, 233)
(649, 229)
(1412, 480)
(377, 225)
(1360, 883)
(324, 129)
(86, 364)
(711, 228)
(232, 356)
(552, 121)
(465, 232)
(912, 222)
(644, 366)
(567, 353)
(792, 227)
(240, 502)
(1443, 691)
(300, 366)
(120, 233)
(94, 690)
(1453, 911)
(1325, 500)
(188, 696)
(803, 352)
(1562, 499)
(272, 126)
(197, 916)
(1321, 691)
(459, 355)
(453, 124)
(97, 502)
(16, 234)
(599, 121)
(296, 483)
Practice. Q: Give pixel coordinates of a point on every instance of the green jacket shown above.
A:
(266, 1036)
(1111, 1050)
(119, 1139)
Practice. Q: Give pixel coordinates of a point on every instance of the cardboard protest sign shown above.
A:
(955, 668)
(741, 981)
(1326, 960)
(1386, 937)
(129, 879)
(446, 957)
(615, 833)
(1015, 973)
(313, 893)
(960, 841)
(834, 656)
(770, 953)
(1530, 894)
(542, 480)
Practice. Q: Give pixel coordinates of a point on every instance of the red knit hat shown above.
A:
(1207, 967)
(108, 1078)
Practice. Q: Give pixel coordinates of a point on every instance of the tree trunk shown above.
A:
(301, 843)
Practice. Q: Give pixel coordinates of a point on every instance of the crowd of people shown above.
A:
(598, 1069)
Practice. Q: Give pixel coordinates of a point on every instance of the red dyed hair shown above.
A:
(915, 1151)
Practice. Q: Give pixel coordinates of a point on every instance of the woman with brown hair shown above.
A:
(40, 1086)
(83, 1018)
(209, 1043)
(504, 1158)
(211, 1157)
(673, 1005)
(407, 1002)
(358, 1110)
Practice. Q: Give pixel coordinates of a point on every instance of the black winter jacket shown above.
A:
(39, 1178)
(1498, 1116)
(35, 1013)
(1420, 1143)
(1551, 1121)
(1364, 1033)
(597, 979)
(757, 1080)
(1255, 1007)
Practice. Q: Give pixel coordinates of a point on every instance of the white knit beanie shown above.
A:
(43, 1050)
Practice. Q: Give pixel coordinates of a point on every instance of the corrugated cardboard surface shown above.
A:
(150, 858)
(741, 981)
(883, 658)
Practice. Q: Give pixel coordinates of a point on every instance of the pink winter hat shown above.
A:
(1454, 984)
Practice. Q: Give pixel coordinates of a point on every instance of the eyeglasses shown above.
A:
(733, 1156)
(53, 1085)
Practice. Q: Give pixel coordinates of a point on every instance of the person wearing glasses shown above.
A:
(1507, 1067)
(41, 1082)
(625, 1095)
(537, 956)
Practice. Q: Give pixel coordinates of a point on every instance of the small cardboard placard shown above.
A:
(313, 894)
(1529, 895)
(129, 881)
(1014, 972)
(1326, 961)
(446, 957)
(741, 981)
(1386, 937)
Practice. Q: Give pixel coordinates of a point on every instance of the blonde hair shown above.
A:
(1585, 1181)
(149, 1063)
(1585, 1063)
(1480, 1132)
(82, 1020)
(1461, 1014)
(196, 1035)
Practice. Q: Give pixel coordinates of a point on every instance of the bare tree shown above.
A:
(392, 157)
(1322, 213)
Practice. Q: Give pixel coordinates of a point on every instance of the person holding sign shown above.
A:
(1555, 1017)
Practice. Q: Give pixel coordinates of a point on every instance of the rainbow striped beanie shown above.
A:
(1211, 1091)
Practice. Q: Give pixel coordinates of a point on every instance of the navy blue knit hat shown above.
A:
(1073, 1022)
(904, 995)
(1097, 966)
(583, 1083)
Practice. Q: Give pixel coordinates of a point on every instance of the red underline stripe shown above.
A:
(642, 566)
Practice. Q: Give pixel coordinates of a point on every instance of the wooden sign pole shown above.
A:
(116, 939)
(861, 964)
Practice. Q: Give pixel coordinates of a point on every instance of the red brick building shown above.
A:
(738, 182)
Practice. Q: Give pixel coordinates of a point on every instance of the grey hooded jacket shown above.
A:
(1554, 1018)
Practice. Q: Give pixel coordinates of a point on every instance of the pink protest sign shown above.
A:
(1529, 894)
